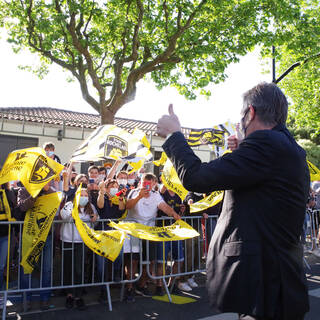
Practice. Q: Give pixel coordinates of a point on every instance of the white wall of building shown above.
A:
(73, 137)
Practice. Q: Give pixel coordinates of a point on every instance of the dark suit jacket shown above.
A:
(254, 263)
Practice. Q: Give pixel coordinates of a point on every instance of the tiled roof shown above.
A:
(74, 119)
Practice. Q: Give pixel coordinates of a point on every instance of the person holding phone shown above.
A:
(143, 204)
(108, 209)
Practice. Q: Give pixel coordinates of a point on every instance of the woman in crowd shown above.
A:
(111, 205)
(70, 190)
(71, 239)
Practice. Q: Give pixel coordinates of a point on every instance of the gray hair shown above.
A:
(269, 102)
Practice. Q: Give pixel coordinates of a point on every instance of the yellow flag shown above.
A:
(32, 167)
(104, 243)
(211, 200)
(314, 172)
(5, 211)
(162, 160)
(170, 177)
(180, 230)
(37, 224)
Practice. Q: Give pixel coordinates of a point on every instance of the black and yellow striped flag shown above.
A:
(198, 137)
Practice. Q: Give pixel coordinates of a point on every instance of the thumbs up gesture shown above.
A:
(168, 124)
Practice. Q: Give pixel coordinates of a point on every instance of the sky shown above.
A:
(20, 88)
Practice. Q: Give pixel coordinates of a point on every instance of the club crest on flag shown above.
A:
(41, 171)
(34, 255)
(115, 147)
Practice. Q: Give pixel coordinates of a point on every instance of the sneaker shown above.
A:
(143, 291)
(159, 291)
(129, 295)
(69, 302)
(192, 283)
(183, 286)
(80, 304)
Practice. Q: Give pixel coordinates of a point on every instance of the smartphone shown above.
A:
(91, 180)
(147, 185)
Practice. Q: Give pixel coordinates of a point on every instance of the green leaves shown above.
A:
(187, 44)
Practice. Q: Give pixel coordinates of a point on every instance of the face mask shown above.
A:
(122, 181)
(83, 201)
(101, 177)
(49, 153)
(243, 128)
(113, 191)
(131, 181)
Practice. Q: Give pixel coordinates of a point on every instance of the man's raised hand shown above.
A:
(168, 124)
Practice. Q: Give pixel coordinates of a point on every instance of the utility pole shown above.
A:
(273, 65)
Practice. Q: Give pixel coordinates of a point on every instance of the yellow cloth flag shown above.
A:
(5, 211)
(107, 244)
(211, 200)
(36, 227)
(170, 177)
(314, 171)
(32, 167)
(180, 230)
(162, 160)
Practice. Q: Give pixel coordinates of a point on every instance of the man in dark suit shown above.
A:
(254, 264)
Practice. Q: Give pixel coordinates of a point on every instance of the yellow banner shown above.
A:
(162, 160)
(32, 167)
(5, 211)
(211, 200)
(314, 172)
(36, 227)
(104, 243)
(180, 230)
(170, 177)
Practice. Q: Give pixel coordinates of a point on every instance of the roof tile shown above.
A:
(75, 119)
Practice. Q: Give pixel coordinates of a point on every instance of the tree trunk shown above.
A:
(107, 116)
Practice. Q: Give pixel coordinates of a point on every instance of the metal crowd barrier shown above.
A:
(311, 229)
(53, 262)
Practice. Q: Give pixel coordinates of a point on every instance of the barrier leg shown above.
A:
(24, 301)
(167, 290)
(122, 292)
(4, 310)
(109, 297)
(306, 264)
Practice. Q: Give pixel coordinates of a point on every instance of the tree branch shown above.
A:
(84, 87)
(40, 49)
(297, 64)
(165, 9)
(84, 51)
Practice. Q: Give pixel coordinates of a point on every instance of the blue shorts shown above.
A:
(175, 247)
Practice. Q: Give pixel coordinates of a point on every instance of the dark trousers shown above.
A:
(77, 266)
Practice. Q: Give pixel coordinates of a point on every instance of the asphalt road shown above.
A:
(148, 308)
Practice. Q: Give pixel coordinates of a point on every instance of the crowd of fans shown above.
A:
(141, 198)
(311, 230)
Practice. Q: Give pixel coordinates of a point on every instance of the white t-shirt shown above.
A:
(145, 210)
